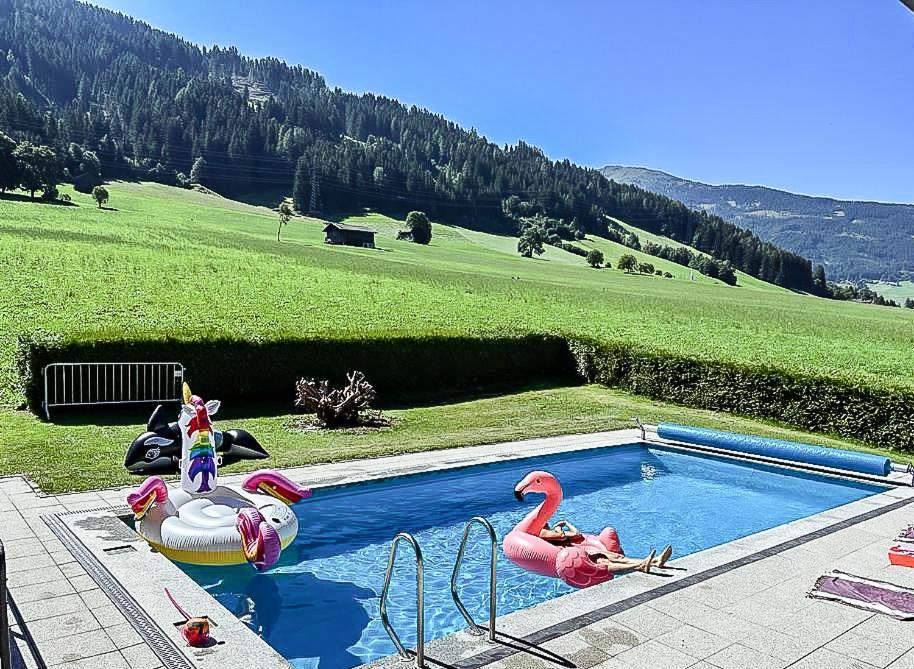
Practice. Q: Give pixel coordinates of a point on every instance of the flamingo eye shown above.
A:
(539, 480)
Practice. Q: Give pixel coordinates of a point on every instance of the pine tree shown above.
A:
(198, 172)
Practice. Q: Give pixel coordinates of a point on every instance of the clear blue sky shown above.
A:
(814, 96)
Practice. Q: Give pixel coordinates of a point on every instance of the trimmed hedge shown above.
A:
(885, 419)
(267, 370)
(401, 367)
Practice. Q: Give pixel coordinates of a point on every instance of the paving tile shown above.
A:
(17, 548)
(63, 557)
(47, 590)
(738, 656)
(693, 641)
(123, 635)
(822, 659)
(107, 661)
(83, 582)
(886, 630)
(646, 621)
(29, 563)
(33, 576)
(72, 569)
(655, 654)
(108, 616)
(76, 647)
(140, 657)
(95, 597)
(50, 607)
(611, 637)
(62, 626)
(906, 661)
(34, 502)
(879, 652)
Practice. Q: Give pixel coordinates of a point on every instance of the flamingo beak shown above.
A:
(519, 494)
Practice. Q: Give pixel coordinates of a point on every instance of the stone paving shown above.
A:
(756, 615)
(70, 620)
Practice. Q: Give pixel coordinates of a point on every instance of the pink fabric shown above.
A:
(896, 601)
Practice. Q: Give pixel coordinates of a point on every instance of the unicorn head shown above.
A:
(198, 444)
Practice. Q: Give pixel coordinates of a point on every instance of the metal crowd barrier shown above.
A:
(68, 384)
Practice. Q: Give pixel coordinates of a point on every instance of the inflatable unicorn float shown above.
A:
(583, 560)
(207, 523)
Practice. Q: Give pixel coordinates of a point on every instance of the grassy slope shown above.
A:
(165, 260)
(172, 260)
(899, 291)
(742, 278)
(94, 453)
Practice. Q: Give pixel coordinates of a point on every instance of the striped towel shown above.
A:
(865, 593)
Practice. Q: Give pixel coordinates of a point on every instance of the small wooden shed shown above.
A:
(350, 235)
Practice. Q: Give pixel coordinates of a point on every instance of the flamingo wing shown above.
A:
(575, 566)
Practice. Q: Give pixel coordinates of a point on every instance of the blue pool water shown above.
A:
(319, 606)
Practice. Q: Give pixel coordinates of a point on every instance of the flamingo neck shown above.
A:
(536, 520)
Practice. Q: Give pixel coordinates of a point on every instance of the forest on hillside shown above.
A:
(129, 101)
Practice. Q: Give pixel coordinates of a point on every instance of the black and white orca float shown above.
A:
(158, 449)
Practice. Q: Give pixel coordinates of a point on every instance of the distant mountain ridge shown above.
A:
(853, 239)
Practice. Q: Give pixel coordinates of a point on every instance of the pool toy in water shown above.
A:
(207, 523)
(573, 564)
(158, 449)
(228, 525)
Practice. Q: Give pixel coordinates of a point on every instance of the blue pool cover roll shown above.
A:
(833, 458)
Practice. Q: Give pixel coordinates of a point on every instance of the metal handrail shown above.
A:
(474, 628)
(420, 600)
(5, 661)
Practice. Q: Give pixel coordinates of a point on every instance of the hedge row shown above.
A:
(398, 367)
(883, 419)
(403, 367)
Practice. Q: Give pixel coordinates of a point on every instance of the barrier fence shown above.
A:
(69, 384)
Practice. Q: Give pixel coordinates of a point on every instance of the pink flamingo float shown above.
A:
(573, 564)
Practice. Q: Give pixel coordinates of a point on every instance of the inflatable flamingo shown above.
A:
(572, 564)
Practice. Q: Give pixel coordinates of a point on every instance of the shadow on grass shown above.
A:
(138, 414)
(22, 197)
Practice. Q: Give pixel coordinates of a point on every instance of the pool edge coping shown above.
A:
(374, 469)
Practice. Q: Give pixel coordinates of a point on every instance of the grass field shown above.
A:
(162, 260)
(85, 455)
(166, 260)
(898, 291)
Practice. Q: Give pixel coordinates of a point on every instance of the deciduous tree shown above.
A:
(419, 227)
(100, 193)
(285, 215)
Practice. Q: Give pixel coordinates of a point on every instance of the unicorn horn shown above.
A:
(187, 393)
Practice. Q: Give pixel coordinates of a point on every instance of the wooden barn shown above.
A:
(349, 235)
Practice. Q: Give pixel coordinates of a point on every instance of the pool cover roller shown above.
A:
(832, 458)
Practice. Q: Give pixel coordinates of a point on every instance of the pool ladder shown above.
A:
(420, 594)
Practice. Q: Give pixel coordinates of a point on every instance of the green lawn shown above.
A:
(898, 291)
(162, 260)
(80, 457)
(166, 260)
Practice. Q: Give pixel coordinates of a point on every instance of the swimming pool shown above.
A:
(319, 606)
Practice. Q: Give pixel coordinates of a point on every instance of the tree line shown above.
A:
(150, 105)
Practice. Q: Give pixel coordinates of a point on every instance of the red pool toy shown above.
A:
(902, 557)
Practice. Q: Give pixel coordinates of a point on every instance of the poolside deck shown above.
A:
(742, 604)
